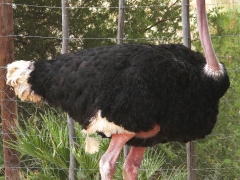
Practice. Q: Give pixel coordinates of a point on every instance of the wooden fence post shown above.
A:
(8, 101)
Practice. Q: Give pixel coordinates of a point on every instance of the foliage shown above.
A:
(218, 155)
(152, 167)
(44, 144)
(37, 33)
(156, 21)
(44, 147)
(37, 24)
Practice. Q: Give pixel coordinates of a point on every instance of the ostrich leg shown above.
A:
(109, 158)
(132, 163)
(134, 158)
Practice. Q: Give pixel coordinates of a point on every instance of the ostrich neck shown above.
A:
(212, 61)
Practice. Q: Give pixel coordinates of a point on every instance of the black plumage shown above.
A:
(136, 86)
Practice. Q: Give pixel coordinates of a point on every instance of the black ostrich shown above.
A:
(136, 94)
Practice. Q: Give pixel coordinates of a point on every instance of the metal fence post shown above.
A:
(120, 35)
(191, 165)
(71, 123)
(120, 32)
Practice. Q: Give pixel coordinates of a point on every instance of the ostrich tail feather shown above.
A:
(17, 77)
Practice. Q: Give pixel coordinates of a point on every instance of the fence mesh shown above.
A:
(42, 130)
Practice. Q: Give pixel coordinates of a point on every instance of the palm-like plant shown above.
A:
(44, 146)
(45, 140)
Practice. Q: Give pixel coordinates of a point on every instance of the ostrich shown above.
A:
(135, 94)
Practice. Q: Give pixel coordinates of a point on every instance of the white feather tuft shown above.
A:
(100, 124)
(213, 73)
(17, 77)
(92, 145)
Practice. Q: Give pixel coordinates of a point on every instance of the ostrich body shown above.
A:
(135, 86)
(137, 94)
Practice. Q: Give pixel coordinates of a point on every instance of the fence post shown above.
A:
(8, 101)
(186, 24)
(191, 165)
(71, 123)
(120, 32)
(120, 35)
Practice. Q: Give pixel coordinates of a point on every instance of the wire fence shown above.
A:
(42, 131)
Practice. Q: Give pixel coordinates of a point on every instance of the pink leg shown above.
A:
(109, 158)
(132, 163)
